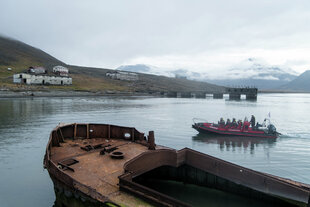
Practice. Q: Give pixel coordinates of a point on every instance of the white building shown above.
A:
(62, 71)
(30, 79)
(37, 70)
(121, 75)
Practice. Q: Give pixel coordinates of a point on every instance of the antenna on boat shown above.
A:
(269, 118)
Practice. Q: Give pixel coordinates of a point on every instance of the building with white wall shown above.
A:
(121, 75)
(37, 70)
(61, 70)
(30, 79)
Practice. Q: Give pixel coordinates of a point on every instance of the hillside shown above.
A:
(14, 53)
(19, 56)
(301, 83)
(147, 83)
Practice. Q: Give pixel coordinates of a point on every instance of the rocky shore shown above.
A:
(4, 93)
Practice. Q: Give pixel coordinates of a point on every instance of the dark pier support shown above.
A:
(252, 94)
(186, 95)
(235, 96)
(218, 95)
(235, 93)
(251, 97)
(200, 95)
(172, 94)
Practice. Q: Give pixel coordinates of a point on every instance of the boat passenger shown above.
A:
(246, 125)
(245, 119)
(228, 122)
(221, 122)
(239, 124)
(258, 125)
(253, 121)
(234, 123)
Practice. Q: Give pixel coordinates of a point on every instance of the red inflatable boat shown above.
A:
(238, 129)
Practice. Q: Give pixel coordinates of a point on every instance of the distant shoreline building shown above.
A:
(36, 70)
(60, 70)
(122, 75)
(31, 79)
(39, 76)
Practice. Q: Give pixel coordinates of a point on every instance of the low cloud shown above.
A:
(269, 77)
(250, 68)
(197, 35)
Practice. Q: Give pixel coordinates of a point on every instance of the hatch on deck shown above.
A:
(191, 167)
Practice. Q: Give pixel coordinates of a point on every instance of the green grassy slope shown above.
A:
(146, 83)
(19, 56)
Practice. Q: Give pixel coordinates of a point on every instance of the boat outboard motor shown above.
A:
(272, 129)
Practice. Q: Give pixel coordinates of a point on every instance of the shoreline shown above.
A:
(275, 91)
(7, 93)
(62, 93)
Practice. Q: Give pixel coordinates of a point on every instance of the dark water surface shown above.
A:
(25, 125)
(202, 196)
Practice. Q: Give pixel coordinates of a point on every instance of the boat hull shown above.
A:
(97, 179)
(232, 132)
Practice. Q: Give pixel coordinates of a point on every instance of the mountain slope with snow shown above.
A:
(254, 72)
(250, 72)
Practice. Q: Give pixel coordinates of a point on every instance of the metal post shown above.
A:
(151, 140)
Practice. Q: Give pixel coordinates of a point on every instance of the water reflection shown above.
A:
(25, 125)
(21, 111)
(199, 196)
(233, 143)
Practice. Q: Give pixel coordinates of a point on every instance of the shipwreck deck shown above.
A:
(100, 172)
(79, 156)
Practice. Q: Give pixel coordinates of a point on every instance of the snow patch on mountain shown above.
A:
(253, 68)
(249, 71)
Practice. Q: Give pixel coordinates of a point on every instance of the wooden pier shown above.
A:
(234, 94)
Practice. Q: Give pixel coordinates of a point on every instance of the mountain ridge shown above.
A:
(14, 53)
(301, 83)
(250, 72)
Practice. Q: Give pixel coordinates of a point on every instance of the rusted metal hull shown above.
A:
(66, 196)
(252, 183)
(80, 157)
(95, 174)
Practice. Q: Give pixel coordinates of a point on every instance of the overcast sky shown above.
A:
(196, 35)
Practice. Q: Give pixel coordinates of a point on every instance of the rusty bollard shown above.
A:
(151, 140)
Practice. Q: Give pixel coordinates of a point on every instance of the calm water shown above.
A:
(25, 125)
